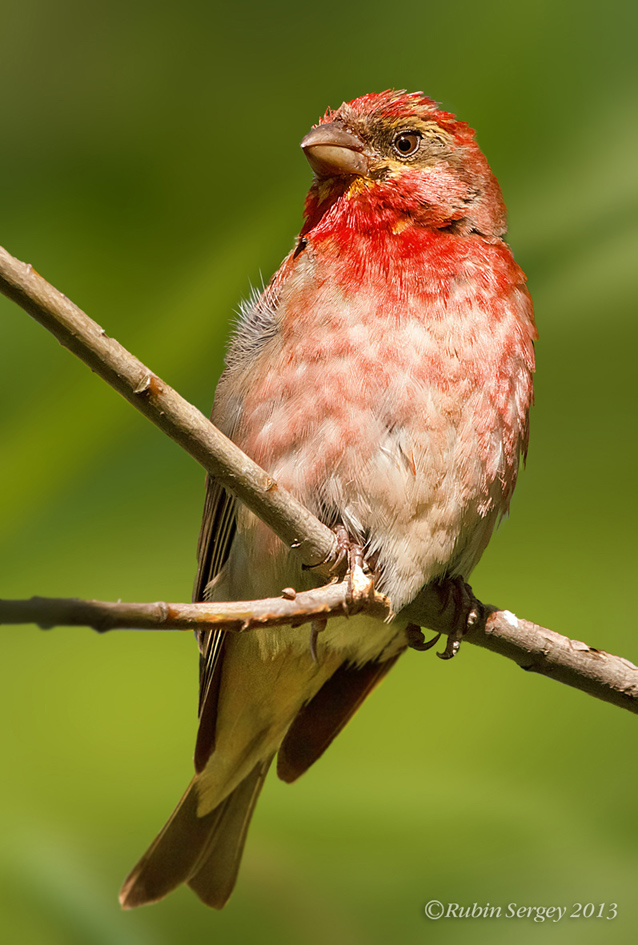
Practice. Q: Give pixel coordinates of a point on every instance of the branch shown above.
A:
(539, 650)
(534, 648)
(237, 616)
(288, 518)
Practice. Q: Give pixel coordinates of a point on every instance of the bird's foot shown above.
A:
(360, 581)
(348, 550)
(468, 611)
(349, 563)
(454, 594)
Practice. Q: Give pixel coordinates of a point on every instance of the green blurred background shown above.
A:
(150, 169)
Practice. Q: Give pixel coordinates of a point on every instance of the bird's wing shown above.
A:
(215, 539)
(319, 721)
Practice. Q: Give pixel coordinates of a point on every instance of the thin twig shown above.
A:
(535, 649)
(539, 650)
(236, 616)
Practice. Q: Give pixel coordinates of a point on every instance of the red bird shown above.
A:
(384, 377)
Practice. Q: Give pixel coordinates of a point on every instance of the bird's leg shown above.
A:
(343, 547)
(360, 584)
(347, 550)
(468, 611)
(457, 611)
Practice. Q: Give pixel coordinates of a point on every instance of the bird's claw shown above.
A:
(347, 550)
(343, 547)
(468, 612)
(360, 584)
(416, 639)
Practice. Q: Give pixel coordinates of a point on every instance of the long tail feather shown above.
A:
(216, 871)
(204, 852)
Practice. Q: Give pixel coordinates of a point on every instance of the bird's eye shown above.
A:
(407, 143)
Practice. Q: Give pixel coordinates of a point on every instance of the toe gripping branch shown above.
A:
(360, 583)
(459, 608)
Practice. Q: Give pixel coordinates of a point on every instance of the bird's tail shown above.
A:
(203, 852)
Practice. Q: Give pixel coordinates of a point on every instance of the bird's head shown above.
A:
(394, 159)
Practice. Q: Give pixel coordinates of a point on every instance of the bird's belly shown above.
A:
(419, 495)
(400, 435)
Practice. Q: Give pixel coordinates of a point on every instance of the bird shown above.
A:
(384, 376)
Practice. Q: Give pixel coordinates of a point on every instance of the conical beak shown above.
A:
(333, 152)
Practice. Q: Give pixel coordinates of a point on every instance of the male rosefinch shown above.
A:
(384, 377)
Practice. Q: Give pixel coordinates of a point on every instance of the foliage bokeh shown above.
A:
(150, 169)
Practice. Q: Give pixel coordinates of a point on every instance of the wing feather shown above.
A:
(321, 719)
(215, 540)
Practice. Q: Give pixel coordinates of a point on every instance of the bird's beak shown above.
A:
(334, 152)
